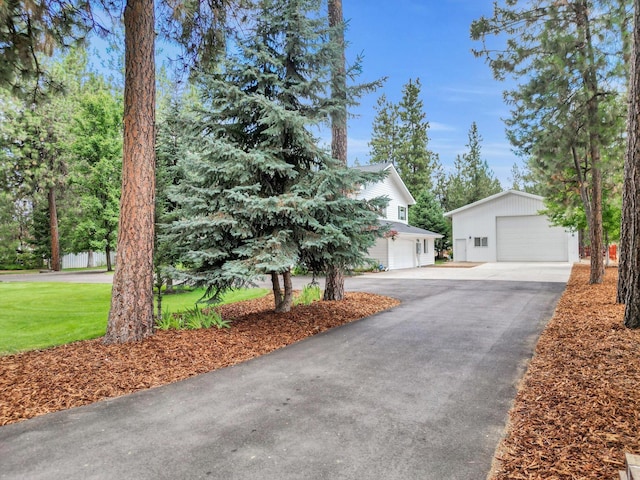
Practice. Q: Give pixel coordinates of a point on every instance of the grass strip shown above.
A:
(42, 315)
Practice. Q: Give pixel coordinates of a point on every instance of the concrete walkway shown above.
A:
(418, 392)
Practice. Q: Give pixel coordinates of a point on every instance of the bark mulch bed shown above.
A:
(578, 407)
(42, 381)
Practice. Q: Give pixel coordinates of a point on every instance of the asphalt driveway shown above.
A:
(418, 392)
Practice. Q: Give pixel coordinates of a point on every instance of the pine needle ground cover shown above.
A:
(42, 381)
(41, 315)
(578, 407)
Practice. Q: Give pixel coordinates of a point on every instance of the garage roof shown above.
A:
(491, 198)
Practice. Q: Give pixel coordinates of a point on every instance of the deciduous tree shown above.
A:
(98, 150)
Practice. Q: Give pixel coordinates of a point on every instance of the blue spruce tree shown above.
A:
(259, 194)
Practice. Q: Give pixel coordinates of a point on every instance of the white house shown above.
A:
(507, 227)
(404, 246)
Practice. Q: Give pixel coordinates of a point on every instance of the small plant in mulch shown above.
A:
(310, 293)
(191, 319)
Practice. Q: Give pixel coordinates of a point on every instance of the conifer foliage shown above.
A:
(261, 195)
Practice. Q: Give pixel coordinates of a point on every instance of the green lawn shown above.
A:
(40, 315)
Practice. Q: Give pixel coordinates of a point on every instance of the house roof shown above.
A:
(393, 174)
(404, 228)
(491, 198)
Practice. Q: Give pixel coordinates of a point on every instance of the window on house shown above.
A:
(418, 247)
(402, 212)
(480, 242)
(426, 246)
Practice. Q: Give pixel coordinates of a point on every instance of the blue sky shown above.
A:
(429, 39)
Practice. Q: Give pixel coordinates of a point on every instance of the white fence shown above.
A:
(81, 260)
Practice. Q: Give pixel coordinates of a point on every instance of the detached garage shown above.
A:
(507, 227)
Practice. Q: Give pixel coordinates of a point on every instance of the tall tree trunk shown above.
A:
(629, 270)
(590, 80)
(595, 230)
(334, 283)
(53, 230)
(90, 262)
(131, 314)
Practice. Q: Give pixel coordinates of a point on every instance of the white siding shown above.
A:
(388, 188)
(428, 257)
(380, 252)
(480, 221)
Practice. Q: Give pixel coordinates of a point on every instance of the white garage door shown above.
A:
(530, 239)
(404, 254)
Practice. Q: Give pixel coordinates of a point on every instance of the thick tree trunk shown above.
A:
(131, 314)
(56, 263)
(334, 284)
(90, 262)
(287, 300)
(629, 270)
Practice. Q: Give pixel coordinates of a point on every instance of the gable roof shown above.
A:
(491, 198)
(393, 174)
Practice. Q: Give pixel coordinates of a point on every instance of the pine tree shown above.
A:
(262, 195)
(416, 163)
(478, 177)
(400, 136)
(385, 136)
(472, 179)
(428, 214)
